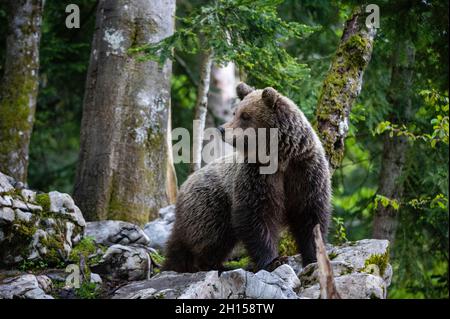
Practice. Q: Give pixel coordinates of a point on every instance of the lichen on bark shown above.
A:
(342, 85)
(19, 87)
(122, 170)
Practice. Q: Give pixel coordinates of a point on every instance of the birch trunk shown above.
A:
(395, 148)
(201, 106)
(19, 87)
(123, 169)
(343, 84)
(221, 99)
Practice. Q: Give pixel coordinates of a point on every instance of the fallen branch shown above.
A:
(326, 279)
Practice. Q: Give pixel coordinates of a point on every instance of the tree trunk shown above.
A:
(221, 98)
(343, 84)
(19, 87)
(395, 148)
(222, 94)
(172, 183)
(201, 106)
(123, 170)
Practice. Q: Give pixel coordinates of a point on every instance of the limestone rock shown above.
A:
(358, 252)
(124, 263)
(235, 284)
(111, 232)
(159, 229)
(309, 275)
(352, 265)
(353, 286)
(36, 226)
(25, 287)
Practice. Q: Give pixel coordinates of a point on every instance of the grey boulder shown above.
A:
(159, 229)
(111, 232)
(124, 263)
(25, 287)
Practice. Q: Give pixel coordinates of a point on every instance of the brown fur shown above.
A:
(222, 204)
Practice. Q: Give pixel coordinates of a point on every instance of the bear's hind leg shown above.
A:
(301, 225)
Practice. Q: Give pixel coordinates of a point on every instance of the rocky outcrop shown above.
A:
(48, 228)
(36, 226)
(235, 284)
(361, 271)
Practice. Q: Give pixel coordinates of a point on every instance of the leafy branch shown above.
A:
(249, 33)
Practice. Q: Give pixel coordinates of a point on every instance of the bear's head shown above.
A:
(258, 109)
(277, 115)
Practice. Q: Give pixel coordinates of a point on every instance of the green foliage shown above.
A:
(247, 32)
(287, 245)
(386, 202)
(340, 234)
(243, 263)
(156, 257)
(64, 59)
(88, 249)
(32, 265)
(87, 290)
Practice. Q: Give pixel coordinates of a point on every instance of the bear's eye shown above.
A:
(245, 116)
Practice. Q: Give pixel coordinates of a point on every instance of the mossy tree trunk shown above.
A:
(19, 86)
(123, 170)
(395, 148)
(343, 84)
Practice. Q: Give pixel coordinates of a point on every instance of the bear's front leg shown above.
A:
(256, 215)
(258, 234)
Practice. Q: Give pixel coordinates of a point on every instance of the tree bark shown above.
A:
(222, 94)
(201, 107)
(123, 170)
(221, 98)
(395, 148)
(19, 87)
(343, 84)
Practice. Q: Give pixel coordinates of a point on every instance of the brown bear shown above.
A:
(222, 203)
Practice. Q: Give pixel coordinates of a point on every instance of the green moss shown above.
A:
(380, 260)
(88, 249)
(157, 257)
(87, 290)
(243, 263)
(287, 245)
(332, 255)
(25, 230)
(15, 111)
(126, 211)
(338, 92)
(55, 249)
(43, 200)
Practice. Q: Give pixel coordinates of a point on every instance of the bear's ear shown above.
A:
(269, 96)
(243, 90)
